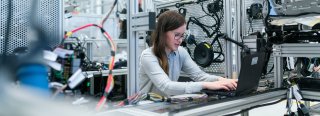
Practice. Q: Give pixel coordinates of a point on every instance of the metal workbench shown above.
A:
(106, 72)
(211, 107)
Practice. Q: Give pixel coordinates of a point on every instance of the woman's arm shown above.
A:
(226, 84)
(160, 79)
(191, 68)
(211, 81)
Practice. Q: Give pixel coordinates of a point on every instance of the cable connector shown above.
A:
(296, 93)
(115, 2)
(102, 30)
(113, 53)
(105, 94)
(69, 34)
(110, 72)
(304, 110)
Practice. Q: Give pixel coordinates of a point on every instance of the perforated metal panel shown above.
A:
(49, 16)
(257, 24)
(195, 10)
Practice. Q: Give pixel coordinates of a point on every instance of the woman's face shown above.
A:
(174, 38)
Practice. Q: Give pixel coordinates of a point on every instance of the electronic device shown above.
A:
(306, 83)
(248, 80)
(255, 11)
(292, 21)
(96, 86)
(295, 7)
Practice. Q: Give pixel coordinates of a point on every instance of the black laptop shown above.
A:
(248, 80)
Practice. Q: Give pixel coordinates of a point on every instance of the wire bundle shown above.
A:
(216, 14)
(110, 82)
(192, 97)
(134, 99)
(210, 23)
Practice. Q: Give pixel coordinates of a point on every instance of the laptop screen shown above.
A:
(248, 80)
(250, 73)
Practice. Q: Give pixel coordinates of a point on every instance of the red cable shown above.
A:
(77, 29)
(109, 85)
(139, 2)
(85, 26)
(101, 101)
(110, 81)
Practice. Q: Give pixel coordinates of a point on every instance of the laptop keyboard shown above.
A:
(220, 92)
(225, 93)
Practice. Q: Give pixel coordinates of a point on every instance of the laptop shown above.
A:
(248, 80)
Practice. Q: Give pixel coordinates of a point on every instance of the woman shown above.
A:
(160, 65)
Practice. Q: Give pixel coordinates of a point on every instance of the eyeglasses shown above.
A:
(178, 36)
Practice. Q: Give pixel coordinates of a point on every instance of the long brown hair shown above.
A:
(167, 21)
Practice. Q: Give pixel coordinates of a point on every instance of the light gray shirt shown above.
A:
(154, 79)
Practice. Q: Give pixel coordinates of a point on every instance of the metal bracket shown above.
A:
(277, 50)
(143, 21)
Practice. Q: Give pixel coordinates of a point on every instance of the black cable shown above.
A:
(80, 46)
(210, 30)
(216, 17)
(204, 27)
(215, 28)
(202, 7)
(241, 37)
(233, 41)
(270, 69)
(257, 106)
(201, 25)
(265, 22)
(7, 32)
(202, 16)
(209, 26)
(221, 50)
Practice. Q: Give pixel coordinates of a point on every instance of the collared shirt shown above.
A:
(152, 77)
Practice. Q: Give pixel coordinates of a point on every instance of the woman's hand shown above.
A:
(232, 81)
(222, 83)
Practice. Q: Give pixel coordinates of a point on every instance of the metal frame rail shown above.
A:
(291, 50)
(136, 22)
(106, 72)
(235, 105)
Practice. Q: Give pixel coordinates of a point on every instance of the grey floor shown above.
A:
(279, 109)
